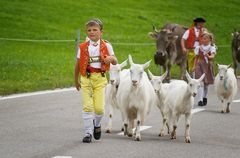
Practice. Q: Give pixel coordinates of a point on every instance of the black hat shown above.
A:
(199, 20)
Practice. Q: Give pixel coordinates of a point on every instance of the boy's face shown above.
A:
(94, 33)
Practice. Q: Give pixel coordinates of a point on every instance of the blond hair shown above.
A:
(210, 35)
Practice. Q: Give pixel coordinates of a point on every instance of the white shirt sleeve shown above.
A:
(185, 35)
(196, 50)
(110, 49)
(213, 50)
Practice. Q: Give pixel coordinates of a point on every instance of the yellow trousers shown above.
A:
(93, 93)
(190, 60)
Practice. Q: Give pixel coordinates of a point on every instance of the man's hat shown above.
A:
(199, 20)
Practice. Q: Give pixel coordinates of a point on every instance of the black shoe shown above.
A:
(200, 103)
(87, 139)
(204, 101)
(97, 133)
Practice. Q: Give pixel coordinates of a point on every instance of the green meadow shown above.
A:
(28, 65)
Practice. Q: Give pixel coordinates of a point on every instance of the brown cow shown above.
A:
(236, 50)
(169, 49)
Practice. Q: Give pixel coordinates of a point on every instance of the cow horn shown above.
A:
(155, 29)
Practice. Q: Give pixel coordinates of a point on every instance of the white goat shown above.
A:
(180, 100)
(161, 90)
(111, 90)
(225, 84)
(135, 96)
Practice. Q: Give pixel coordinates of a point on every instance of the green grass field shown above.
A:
(30, 66)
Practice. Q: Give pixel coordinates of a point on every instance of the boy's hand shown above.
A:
(108, 60)
(77, 85)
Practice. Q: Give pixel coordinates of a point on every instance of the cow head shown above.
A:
(163, 39)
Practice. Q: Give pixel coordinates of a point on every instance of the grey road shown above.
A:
(50, 126)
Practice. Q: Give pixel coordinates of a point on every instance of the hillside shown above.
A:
(38, 65)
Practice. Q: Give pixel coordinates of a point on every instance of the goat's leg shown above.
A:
(130, 128)
(228, 107)
(109, 127)
(125, 123)
(122, 129)
(175, 120)
(163, 127)
(187, 127)
(223, 105)
(138, 135)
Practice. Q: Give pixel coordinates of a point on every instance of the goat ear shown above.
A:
(147, 64)
(153, 35)
(230, 65)
(218, 65)
(150, 75)
(188, 76)
(130, 59)
(202, 77)
(123, 64)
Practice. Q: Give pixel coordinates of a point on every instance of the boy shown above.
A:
(93, 60)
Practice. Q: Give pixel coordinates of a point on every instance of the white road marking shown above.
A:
(36, 93)
(195, 110)
(62, 157)
(141, 129)
(236, 101)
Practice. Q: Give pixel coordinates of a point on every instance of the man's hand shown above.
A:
(184, 50)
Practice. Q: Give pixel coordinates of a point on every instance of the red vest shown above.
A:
(84, 57)
(192, 38)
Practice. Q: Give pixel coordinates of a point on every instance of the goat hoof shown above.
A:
(173, 137)
(108, 131)
(222, 111)
(122, 129)
(188, 140)
(227, 110)
(130, 134)
(161, 134)
(137, 139)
